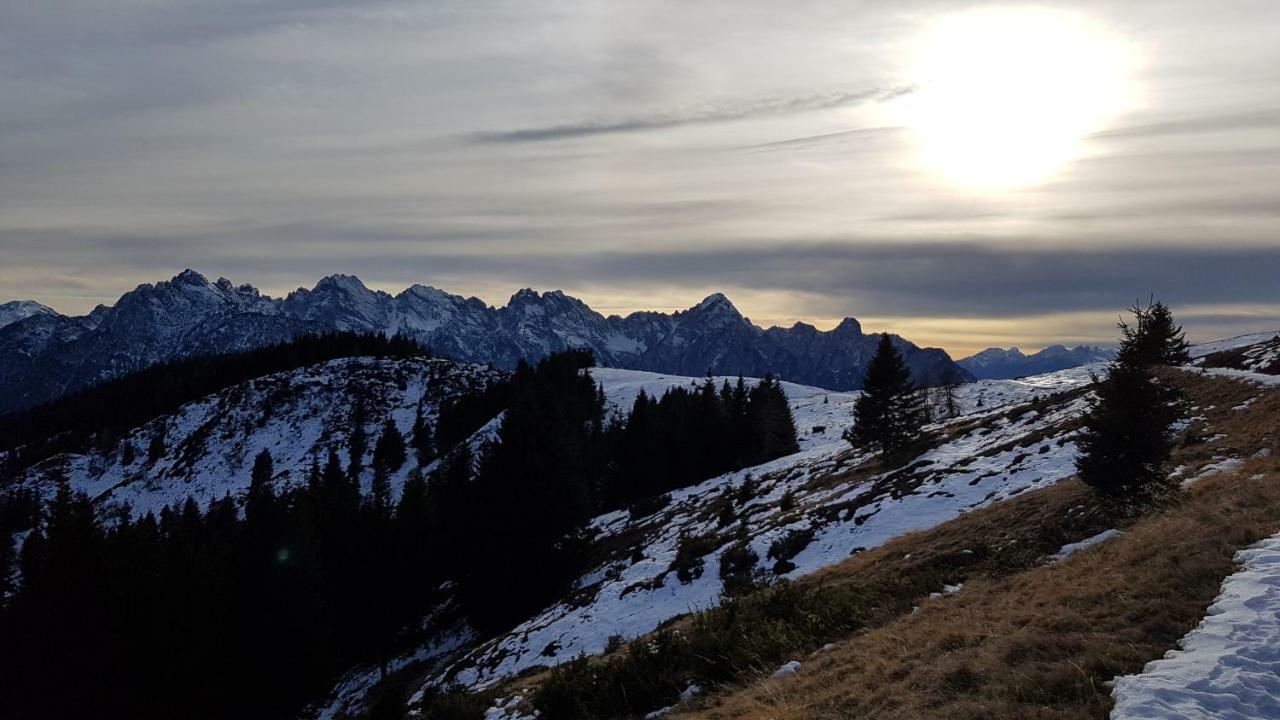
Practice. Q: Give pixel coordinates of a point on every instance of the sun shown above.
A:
(1005, 96)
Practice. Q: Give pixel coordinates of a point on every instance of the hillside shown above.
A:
(986, 513)
(208, 446)
(48, 355)
(937, 533)
(1045, 634)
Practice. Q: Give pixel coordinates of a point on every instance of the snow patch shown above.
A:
(1067, 550)
(1227, 668)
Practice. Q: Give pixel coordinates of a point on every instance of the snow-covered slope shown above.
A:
(210, 444)
(1228, 667)
(46, 356)
(12, 312)
(991, 452)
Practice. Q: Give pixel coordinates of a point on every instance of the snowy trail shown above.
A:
(1227, 668)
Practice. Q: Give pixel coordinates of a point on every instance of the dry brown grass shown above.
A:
(1041, 642)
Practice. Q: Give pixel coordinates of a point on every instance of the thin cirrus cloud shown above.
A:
(728, 113)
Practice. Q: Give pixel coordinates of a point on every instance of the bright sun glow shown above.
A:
(1006, 95)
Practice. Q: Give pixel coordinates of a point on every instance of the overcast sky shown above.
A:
(638, 155)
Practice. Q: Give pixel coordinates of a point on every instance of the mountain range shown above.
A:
(1001, 364)
(46, 355)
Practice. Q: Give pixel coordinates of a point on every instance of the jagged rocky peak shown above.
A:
(189, 277)
(348, 284)
(716, 306)
(848, 326)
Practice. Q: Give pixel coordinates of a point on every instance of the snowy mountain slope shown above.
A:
(12, 312)
(298, 415)
(45, 356)
(986, 455)
(999, 363)
(1229, 666)
(1232, 343)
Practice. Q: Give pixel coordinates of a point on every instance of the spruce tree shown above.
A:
(358, 440)
(1127, 434)
(389, 452)
(155, 449)
(380, 493)
(887, 416)
(1153, 338)
(424, 443)
(260, 500)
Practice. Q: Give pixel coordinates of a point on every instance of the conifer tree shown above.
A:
(1126, 439)
(1153, 338)
(155, 450)
(358, 440)
(771, 420)
(424, 443)
(261, 498)
(380, 493)
(1127, 434)
(389, 451)
(887, 415)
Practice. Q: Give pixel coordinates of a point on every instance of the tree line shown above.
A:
(255, 607)
(101, 414)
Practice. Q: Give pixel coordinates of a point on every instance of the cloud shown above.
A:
(1195, 125)
(775, 107)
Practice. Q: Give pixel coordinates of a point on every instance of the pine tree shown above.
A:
(1127, 434)
(380, 492)
(887, 415)
(1126, 439)
(358, 440)
(155, 450)
(388, 452)
(1153, 338)
(127, 452)
(424, 443)
(260, 500)
(771, 420)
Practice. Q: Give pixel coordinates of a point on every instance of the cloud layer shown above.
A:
(640, 154)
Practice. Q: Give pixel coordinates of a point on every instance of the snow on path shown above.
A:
(1228, 668)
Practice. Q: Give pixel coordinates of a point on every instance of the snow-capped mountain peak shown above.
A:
(12, 312)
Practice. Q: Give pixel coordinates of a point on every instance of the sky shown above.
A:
(965, 174)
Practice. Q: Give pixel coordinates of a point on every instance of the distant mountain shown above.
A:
(45, 356)
(1000, 364)
(12, 312)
